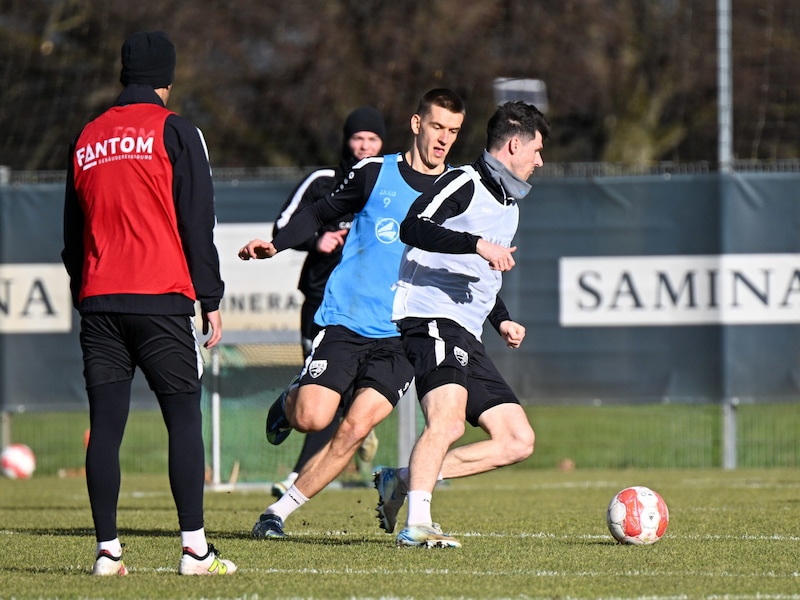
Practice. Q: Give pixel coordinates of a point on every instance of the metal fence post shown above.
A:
(407, 425)
(5, 428)
(729, 406)
(216, 466)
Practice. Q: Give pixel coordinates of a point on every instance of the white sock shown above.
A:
(288, 503)
(113, 547)
(195, 541)
(419, 508)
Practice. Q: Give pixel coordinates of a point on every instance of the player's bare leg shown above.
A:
(312, 407)
(511, 440)
(367, 410)
(444, 409)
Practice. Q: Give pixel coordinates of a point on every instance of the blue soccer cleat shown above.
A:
(268, 526)
(278, 426)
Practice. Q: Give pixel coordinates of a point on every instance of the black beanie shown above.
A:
(148, 57)
(364, 118)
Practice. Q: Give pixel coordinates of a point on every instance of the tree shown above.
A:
(270, 82)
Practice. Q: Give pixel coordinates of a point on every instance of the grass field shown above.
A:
(642, 436)
(526, 533)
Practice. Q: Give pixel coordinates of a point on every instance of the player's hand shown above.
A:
(330, 241)
(212, 320)
(257, 249)
(498, 257)
(513, 333)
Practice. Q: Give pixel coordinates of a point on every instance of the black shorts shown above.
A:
(341, 359)
(443, 352)
(164, 347)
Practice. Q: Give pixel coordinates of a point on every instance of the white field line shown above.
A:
(745, 483)
(544, 535)
(536, 535)
(552, 536)
(493, 573)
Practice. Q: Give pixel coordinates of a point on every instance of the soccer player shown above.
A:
(139, 250)
(459, 236)
(363, 134)
(358, 345)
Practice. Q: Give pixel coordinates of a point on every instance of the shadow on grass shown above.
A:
(83, 531)
(342, 539)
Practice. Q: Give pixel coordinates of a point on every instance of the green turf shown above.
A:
(525, 533)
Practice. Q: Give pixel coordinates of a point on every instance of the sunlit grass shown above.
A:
(525, 533)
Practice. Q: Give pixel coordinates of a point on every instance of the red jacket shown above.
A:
(123, 178)
(139, 212)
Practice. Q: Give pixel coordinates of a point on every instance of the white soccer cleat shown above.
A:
(210, 564)
(109, 565)
(426, 536)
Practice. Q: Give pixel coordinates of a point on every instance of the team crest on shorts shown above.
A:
(461, 356)
(317, 367)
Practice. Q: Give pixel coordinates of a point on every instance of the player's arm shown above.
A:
(72, 254)
(422, 227)
(193, 193)
(348, 197)
(311, 188)
(331, 236)
(512, 332)
(451, 195)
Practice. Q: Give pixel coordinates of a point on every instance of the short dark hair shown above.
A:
(515, 118)
(443, 98)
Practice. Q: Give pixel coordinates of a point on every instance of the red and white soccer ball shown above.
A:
(637, 515)
(17, 461)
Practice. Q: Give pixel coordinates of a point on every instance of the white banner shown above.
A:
(729, 289)
(259, 294)
(34, 298)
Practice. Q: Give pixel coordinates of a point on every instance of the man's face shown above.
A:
(527, 157)
(435, 134)
(364, 144)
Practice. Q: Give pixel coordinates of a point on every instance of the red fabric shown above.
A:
(123, 177)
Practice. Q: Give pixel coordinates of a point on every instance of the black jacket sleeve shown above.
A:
(312, 187)
(72, 254)
(193, 192)
(499, 314)
(347, 199)
(422, 226)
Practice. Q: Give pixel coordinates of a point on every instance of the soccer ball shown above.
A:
(637, 515)
(17, 461)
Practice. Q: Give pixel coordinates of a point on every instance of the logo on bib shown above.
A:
(317, 368)
(461, 356)
(387, 230)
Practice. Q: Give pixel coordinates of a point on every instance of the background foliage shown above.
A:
(270, 82)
